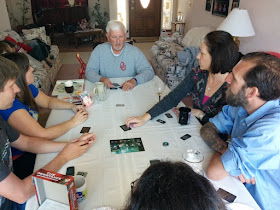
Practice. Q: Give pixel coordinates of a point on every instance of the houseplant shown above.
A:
(100, 17)
(24, 16)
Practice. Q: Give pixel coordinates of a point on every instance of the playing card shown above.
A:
(85, 130)
(113, 88)
(125, 128)
(161, 121)
(84, 174)
(185, 137)
(226, 195)
(119, 105)
(168, 115)
(116, 84)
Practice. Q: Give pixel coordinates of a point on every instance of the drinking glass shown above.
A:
(69, 88)
(160, 87)
(194, 159)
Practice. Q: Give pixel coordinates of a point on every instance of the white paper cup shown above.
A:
(81, 188)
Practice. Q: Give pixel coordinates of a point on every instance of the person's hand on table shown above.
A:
(80, 117)
(176, 111)
(77, 147)
(129, 85)
(137, 121)
(107, 82)
(76, 108)
(242, 178)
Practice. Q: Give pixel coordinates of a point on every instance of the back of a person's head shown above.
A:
(20, 59)
(25, 96)
(265, 74)
(173, 186)
(115, 25)
(8, 71)
(223, 50)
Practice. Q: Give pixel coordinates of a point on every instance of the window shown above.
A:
(166, 14)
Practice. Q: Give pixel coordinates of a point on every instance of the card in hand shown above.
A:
(226, 195)
(85, 130)
(125, 128)
(161, 121)
(168, 115)
(185, 137)
(116, 85)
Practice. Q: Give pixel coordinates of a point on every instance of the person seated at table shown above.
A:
(251, 118)
(116, 58)
(12, 189)
(23, 114)
(172, 185)
(218, 55)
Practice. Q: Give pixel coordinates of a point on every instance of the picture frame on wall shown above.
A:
(220, 8)
(235, 4)
(208, 5)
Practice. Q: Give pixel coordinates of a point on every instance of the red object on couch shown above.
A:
(21, 45)
(82, 70)
(275, 54)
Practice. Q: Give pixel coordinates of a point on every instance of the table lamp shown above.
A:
(238, 24)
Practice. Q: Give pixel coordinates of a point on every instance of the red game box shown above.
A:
(56, 187)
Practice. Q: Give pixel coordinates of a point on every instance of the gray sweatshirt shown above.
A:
(130, 63)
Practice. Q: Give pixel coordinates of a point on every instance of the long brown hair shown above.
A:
(25, 95)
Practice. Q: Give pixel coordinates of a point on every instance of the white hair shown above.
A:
(115, 25)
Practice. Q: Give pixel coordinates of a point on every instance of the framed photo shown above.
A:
(208, 5)
(220, 7)
(235, 4)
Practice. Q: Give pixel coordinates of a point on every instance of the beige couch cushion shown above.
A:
(195, 36)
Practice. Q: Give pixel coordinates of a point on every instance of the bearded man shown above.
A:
(252, 120)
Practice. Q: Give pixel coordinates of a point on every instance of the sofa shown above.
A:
(43, 79)
(174, 56)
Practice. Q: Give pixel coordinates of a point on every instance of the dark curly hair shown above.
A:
(173, 186)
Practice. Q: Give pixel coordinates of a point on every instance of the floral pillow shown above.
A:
(34, 33)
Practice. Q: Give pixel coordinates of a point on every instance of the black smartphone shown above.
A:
(186, 136)
(70, 171)
(226, 195)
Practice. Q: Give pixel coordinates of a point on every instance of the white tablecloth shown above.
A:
(109, 175)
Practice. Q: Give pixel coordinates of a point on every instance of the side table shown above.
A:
(181, 27)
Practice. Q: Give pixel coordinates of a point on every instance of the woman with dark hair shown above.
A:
(172, 186)
(218, 55)
(23, 115)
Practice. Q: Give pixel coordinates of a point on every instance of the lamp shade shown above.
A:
(238, 23)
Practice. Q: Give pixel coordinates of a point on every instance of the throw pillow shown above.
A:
(34, 33)
(195, 36)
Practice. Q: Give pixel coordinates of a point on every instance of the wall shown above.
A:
(265, 19)
(5, 22)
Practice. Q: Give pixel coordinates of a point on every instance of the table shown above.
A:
(109, 175)
(181, 27)
(83, 34)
